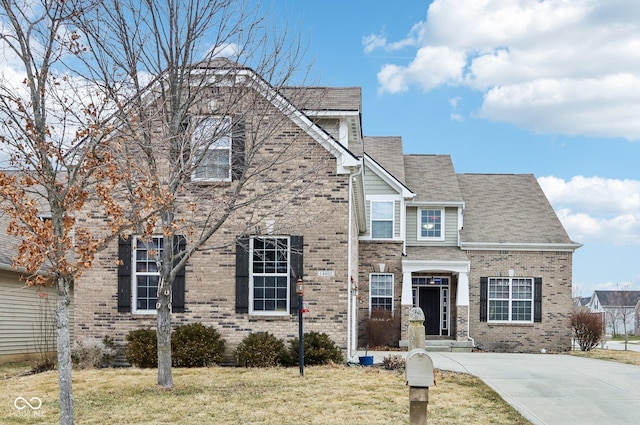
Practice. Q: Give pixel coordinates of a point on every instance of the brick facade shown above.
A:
(553, 333)
(372, 254)
(316, 207)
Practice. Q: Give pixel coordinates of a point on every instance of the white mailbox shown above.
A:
(419, 369)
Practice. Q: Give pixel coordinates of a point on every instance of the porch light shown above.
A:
(300, 288)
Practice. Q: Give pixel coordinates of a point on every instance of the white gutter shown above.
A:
(514, 246)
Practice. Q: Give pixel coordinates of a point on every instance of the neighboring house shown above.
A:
(27, 315)
(484, 256)
(620, 310)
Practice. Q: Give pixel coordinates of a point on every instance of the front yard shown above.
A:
(325, 395)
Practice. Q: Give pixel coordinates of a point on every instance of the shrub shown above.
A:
(381, 328)
(319, 349)
(394, 362)
(588, 328)
(196, 345)
(259, 350)
(142, 348)
(87, 354)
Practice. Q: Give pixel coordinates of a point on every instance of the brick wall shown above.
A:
(373, 253)
(554, 332)
(315, 206)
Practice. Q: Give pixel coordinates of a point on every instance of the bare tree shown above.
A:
(207, 142)
(52, 130)
(622, 303)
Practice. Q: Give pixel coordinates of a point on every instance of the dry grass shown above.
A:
(629, 357)
(326, 395)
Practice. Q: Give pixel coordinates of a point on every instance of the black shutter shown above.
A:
(295, 271)
(238, 141)
(124, 275)
(242, 275)
(537, 299)
(178, 287)
(484, 290)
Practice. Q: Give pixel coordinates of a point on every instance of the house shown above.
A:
(620, 310)
(27, 314)
(369, 229)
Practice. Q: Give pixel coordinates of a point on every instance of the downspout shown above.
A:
(351, 295)
(349, 267)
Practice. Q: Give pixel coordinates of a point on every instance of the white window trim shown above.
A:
(393, 217)
(288, 302)
(510, 299)
(419, 225)
(134, 280)
(212, 146)
(392, 290)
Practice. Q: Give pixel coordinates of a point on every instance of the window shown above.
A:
(213, 159)
(381, 292)
(138, 274)
(430, 224)
(270, 275)
(146, 274)
(382, 220)
(510, 299)
(265, 266)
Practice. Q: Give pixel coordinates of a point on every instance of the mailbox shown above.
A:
(419, 369)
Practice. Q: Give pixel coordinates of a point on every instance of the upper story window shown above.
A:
(381, 291)
(510, 299)
(213, 140)
(146, 273)
(381, 219)
(431, 224)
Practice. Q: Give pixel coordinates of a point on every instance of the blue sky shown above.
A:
(550, 88)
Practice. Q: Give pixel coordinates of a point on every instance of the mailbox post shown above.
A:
(419, 369)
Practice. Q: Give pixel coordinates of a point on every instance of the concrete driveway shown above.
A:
(555, 389)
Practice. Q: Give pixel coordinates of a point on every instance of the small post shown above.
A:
(419, 369)
(300, 291)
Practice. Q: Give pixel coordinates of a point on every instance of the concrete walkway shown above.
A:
(550, 389)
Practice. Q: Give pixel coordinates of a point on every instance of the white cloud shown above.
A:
(568, 67)
(593, 209)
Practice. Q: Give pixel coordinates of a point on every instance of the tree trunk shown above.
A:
(63, 342)
(165, 377)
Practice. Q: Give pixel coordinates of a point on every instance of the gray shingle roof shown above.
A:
(617, 298)
(8, 243)
(432, 178)
(324, 98)
(508, 208)
(436, 253)
(387, 152)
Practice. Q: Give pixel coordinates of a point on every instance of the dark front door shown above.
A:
(430, 305)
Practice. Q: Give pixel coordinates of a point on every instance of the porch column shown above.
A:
(463, 289)
(406, 301)
(462, 304)
(407, 293)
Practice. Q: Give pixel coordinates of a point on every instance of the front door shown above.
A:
(431, 294)
(430, 305)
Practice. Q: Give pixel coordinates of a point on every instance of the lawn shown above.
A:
(629, 357)
(325, 395)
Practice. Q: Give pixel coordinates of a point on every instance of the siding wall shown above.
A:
(450, 231)
(27, 320)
